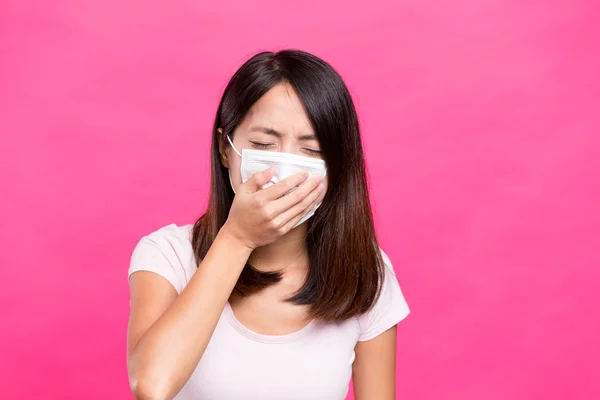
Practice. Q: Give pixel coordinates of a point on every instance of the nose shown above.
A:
(288, 145)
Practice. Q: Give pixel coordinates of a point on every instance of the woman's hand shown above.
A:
(258, 217)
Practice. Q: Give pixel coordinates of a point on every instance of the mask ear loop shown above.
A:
(229, 169)
(232, 145)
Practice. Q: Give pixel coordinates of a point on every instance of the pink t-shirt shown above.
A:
(313, 363)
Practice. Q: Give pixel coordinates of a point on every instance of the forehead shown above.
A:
(279, 109)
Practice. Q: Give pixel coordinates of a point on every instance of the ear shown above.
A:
(223, 148)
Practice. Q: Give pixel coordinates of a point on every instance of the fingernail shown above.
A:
(320, 188)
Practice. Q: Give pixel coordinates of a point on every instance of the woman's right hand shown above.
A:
(258, 217)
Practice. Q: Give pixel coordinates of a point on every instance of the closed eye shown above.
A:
(313, 152)
(260, 145)
(263, 146)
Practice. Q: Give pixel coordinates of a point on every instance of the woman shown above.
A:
(279, 291)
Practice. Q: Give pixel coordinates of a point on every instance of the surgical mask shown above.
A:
(285, 164)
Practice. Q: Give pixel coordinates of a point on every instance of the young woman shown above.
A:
(280, 290)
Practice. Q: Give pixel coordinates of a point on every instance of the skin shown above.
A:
(168, 333)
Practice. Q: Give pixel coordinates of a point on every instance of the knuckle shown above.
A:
(269, 213)
(307, 193)
(260, 177)
(303, 208)
(307, 207)
(260, 201)
(311, 195)
(314, 197)
(302, 202)
(281, 228)
(306, 204)
(288, 184)
(305, 190)
(298, 194)
(276, 224)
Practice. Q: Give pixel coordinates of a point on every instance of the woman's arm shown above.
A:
(374, 369)
(167, 333)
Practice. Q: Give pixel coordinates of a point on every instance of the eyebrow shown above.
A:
(277, 134)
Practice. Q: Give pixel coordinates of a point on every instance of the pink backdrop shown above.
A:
(481, 125)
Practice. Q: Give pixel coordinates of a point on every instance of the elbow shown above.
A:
(144, 387)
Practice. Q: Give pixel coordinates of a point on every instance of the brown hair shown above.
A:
(346, 266)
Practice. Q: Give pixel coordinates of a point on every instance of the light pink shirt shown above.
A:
(313, 363)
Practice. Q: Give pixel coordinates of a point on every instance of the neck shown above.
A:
(287, 252)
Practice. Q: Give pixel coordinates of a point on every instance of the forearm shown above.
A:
(167, 354)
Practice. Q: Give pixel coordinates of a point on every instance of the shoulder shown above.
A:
(390, 307)
(389, 268)
(167, 252)
(172, 234)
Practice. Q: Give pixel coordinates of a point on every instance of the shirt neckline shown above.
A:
(259, 337)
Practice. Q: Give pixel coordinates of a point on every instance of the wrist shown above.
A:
(230, 236)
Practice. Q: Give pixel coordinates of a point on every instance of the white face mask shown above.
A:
(285, 164)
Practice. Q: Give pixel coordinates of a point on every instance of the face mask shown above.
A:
(285, 164)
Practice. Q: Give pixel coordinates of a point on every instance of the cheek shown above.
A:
(234, 170)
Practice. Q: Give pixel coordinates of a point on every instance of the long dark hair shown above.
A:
(346, 267)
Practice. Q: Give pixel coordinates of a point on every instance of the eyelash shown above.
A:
(260, 145)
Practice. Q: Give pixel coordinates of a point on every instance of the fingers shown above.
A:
(284, 186)
(257, 180)
(296, 212)
(296, 196)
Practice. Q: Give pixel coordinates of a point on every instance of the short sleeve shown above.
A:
(166, 252)
(389, 309)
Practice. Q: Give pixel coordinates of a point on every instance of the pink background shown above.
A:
(481, 125)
